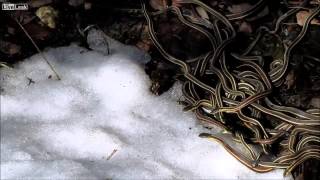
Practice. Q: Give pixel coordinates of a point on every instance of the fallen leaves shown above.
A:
(9, 48)
(48, 16)
(290, 79)
(158, 4)
(302, 17)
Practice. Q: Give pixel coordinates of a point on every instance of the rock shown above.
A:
(98, 41)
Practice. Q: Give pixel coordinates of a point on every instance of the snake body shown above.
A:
(239, 95)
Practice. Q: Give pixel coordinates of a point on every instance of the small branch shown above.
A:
(113, 152)
(38, 49)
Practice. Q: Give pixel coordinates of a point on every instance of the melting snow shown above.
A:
(68, 129)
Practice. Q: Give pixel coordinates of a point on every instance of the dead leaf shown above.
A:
(290, 79)
(302, 17)
(47, 15)
(158, 4)
(37, 31)
(143, 45)
(315, 102)
(245, 27)
(87, 5)
(238, 8)
(11, 30)
(9, 48)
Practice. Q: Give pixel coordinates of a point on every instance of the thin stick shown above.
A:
(38, 49)
(113, 152)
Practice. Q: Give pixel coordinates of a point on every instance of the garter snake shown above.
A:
(247, 146)
(277, 73)
(241, 158)
(185, 68)
(235, 16)
(198, 28)
(256, 7)
(270, 140)
(306, 140)
(290, 157)
(219, 101)
(300, 160)
(283, 17)
(253, 121)
(208, 92)
(296, 112)
(209, 120)
(293, 136)
(243, 103)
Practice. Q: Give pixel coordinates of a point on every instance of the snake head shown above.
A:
(205, 135)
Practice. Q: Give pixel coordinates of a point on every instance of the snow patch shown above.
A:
(67, 129)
